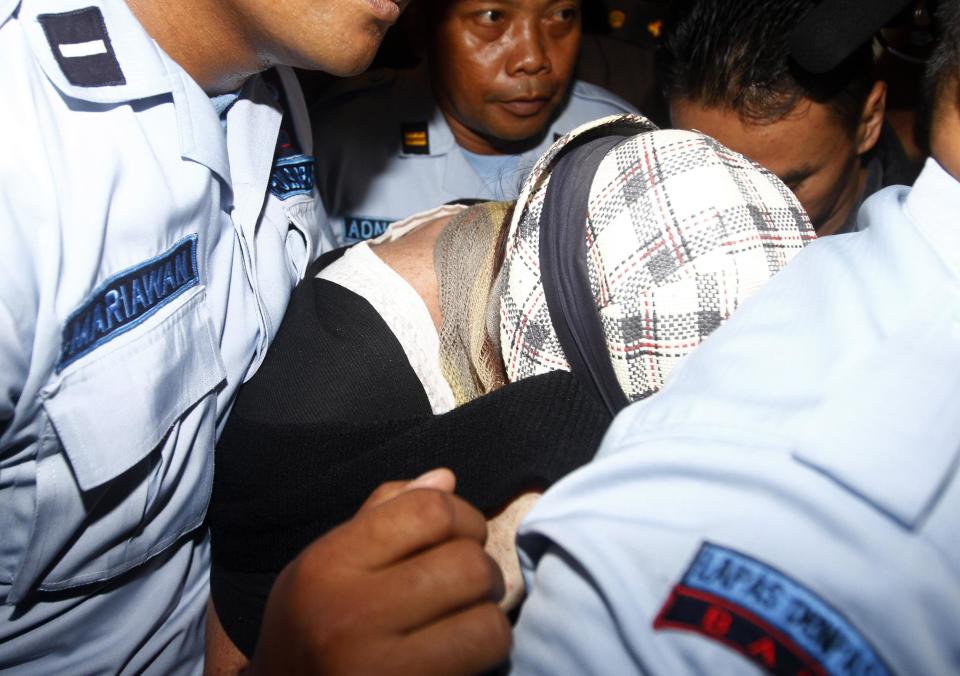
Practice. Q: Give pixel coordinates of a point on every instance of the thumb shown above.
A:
(441, 479)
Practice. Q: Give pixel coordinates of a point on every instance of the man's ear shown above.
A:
(871, 118)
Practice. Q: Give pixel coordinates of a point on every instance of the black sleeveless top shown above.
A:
(334, 411)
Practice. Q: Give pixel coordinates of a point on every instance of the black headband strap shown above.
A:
(563, 264)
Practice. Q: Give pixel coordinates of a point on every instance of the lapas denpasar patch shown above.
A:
(127, 299)
(767, 616)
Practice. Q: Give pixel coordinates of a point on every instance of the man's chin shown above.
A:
(518, 127)
(515, 141)
(350, 58)
(350, 71)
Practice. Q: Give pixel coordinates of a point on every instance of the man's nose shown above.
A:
(529, 55)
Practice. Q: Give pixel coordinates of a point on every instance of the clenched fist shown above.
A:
(402, 588)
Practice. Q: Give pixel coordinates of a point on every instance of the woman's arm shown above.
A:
(278, 487)
(502, 546)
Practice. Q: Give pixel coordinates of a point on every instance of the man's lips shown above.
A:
(526, 107)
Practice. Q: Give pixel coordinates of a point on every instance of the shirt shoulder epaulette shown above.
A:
(80, 56)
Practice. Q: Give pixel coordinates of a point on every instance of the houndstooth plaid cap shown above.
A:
(680, 231)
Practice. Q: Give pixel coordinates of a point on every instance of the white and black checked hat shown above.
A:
(679, 231)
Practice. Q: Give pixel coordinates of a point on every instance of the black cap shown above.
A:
(835, 28)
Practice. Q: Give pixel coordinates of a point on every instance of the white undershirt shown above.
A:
(361, 271)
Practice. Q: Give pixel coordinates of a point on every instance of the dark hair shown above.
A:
(944, 64)
(736, 54)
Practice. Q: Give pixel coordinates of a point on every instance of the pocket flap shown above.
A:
(116, 405)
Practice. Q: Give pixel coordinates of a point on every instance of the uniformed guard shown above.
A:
(462, 126)
(157, 205)
(789, 503)
(150, 239)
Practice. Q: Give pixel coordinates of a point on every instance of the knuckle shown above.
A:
(294, 575)
(313, 554)
(435, 511)
(477, 570)
(494, 627)
(382, 491)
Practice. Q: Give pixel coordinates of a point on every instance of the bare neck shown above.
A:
(205, 37)
(847, 200)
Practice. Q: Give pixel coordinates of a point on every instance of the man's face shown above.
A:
(339, 37)
(809, 149)
(502, 67)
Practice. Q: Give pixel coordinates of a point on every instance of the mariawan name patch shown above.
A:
(127, 299)
(767, 616)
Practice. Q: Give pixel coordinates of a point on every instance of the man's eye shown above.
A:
(489, 17)
(794, 181)
(566, 14)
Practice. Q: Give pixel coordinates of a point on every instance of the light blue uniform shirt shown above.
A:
(500, 172)
(792, 494)
(143, 274)
(369, 176)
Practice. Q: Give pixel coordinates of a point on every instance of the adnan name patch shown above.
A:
(770, 618)
(128, 298)
(358, 228)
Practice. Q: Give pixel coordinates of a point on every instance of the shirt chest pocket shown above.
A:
(125, 466)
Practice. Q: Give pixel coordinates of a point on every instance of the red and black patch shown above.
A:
(721, 621)
(769, 617)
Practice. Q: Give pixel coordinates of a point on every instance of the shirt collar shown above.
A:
(7, 8)
(244, 157)
(933, 205)
(200, 129)
(144, 71)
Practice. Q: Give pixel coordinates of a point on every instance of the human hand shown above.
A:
(403, 587)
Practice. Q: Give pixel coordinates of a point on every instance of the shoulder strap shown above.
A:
(563, 264)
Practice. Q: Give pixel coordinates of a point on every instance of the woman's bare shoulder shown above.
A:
(411, 257)
(415, 248)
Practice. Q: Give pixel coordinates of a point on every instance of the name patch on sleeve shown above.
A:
(293, 175)
(767, 616)
(127, 299)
